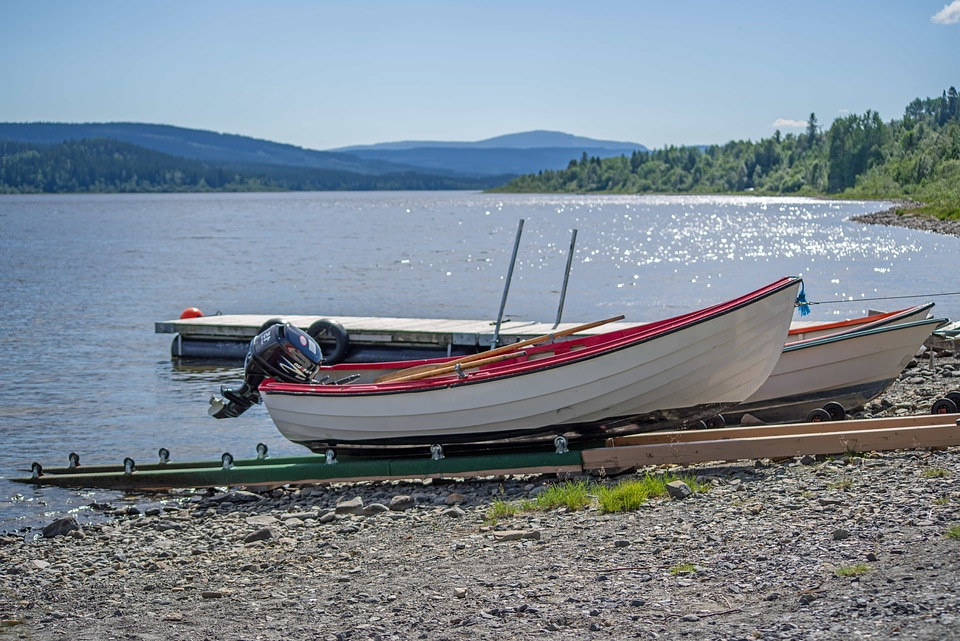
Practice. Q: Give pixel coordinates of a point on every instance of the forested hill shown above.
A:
(917, 156)
(196, 144)
(102, 165)
(514, 154)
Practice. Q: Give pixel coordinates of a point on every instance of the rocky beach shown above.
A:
(860, 546)
(808, 548)
(911, 221)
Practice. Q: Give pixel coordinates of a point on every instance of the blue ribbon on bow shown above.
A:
(802, 304)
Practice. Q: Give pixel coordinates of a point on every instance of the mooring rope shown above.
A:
(857, 300)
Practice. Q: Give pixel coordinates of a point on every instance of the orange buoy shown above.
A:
(191, 312)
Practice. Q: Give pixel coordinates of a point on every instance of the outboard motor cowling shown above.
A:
(282, 351)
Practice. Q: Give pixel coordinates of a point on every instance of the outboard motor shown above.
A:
(282, 351)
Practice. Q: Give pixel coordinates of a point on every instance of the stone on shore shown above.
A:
(402, 502)
(263, 534)
(351, 506)
(61, 527)
(829, 548)
(679, 490)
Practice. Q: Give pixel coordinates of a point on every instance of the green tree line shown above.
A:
(915, 157)
(104, 166)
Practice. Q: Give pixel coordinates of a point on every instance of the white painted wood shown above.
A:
(431, 331)
(847, 368)
(722, 360)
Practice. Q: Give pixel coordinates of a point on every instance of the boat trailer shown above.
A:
(680, 447)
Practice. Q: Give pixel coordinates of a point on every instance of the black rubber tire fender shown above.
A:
(715, 422)
(333, 339)
(944, 406)
(835, 410)
(270, 322)
(818, 415)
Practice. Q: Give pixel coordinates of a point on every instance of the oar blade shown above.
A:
(410, 371)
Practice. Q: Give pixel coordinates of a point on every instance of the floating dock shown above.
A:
(369, 339)
(372, 339)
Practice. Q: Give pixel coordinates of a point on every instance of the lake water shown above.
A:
(84, 278)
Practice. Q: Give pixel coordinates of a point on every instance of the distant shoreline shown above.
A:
(889, 217)
(893, 218)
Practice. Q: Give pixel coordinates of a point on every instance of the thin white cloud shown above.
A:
(786, 122)
(844, 112)
(950, 14)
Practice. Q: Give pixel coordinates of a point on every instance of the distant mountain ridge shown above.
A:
(539, 139)
(521, 153)
(508, 155)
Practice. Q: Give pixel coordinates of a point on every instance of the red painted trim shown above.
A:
(590, 346)
(819, 327)
(881, 320)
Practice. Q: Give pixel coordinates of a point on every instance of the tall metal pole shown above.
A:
(506, 286)
(566, 278)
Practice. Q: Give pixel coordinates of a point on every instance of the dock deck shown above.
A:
(371, 337)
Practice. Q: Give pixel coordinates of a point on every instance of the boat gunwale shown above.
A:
(860, 323)
(597, 345)
(868, 331)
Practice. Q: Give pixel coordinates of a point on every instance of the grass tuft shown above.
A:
(853, 570)
(631, 494)
(843, 484)
(573, 495)
(953, 532)
(625, 496)
(501, 509)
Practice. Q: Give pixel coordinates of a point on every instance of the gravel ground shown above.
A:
(758, 555)
(812, 548)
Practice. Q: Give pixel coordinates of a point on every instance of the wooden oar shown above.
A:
(506, 349)
(449, 369)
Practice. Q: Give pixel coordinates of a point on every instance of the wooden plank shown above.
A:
(686, 436)
(245, 326)
(784, 445)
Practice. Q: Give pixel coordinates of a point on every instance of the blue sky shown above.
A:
(329, 74)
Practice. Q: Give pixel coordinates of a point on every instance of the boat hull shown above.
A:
(850, 369)
(660, 376)
(370, 371)
(801, 331)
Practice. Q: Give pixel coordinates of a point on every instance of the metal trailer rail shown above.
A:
(649, 449)
(299, 470)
